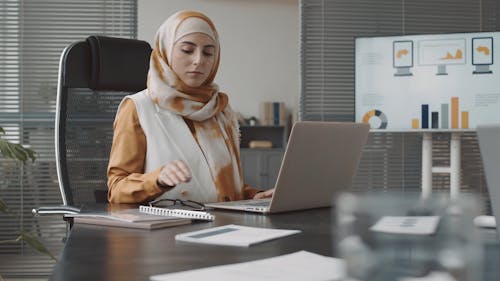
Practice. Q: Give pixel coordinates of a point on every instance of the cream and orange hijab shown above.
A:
(216, 128)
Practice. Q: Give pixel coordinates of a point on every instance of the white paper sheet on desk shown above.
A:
(234, 235)
(419, 225)
(297, 266)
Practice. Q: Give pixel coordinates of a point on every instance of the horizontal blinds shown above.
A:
(33, 35)
(328, 30)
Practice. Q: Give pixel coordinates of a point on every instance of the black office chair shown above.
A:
(94, 76)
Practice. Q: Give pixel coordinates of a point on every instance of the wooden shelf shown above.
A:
(275, 134)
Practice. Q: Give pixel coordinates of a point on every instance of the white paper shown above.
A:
(234, 235)
(297, 266)
(433, 276)
(420, 225)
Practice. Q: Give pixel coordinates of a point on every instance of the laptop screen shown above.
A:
(489, 144)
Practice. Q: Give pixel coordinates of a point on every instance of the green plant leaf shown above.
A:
(16, 151)
(3, 207)
(5, 149)
(20, 153)
(37, 245)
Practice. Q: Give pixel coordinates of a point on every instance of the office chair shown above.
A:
(94, 76)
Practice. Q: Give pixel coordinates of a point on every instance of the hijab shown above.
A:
(215, 127)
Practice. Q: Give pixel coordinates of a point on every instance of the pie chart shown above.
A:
(376, 119)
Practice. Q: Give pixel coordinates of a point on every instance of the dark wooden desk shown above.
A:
(110, 253)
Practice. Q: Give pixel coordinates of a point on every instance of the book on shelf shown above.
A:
(273, 114)
(143, 217)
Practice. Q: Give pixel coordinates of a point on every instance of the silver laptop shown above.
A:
(320, 161)
(489, 144)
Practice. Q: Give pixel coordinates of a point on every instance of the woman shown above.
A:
(178, 138)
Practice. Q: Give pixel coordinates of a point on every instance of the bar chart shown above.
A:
(440, 82)
(450, 119)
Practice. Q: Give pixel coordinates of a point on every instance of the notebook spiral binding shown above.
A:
(196, 215)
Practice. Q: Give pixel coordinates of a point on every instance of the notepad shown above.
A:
(131, 218)
(195, 215)
(234, 235)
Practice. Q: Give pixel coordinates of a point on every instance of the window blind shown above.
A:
(33, 35)
(328, 30)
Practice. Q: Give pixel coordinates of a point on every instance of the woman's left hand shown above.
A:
(264, 194)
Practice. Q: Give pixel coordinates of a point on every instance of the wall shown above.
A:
(259, 46)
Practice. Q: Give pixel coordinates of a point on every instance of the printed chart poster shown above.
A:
(419, 82)
(403, 53)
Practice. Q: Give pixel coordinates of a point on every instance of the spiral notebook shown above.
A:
(179, 213)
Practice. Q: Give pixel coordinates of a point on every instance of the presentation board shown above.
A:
(427, 82)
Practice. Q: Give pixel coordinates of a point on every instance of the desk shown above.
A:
(109, 253)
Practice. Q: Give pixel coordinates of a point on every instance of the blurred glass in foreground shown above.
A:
(401, 237)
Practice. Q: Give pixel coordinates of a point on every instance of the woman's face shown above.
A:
(193, 57)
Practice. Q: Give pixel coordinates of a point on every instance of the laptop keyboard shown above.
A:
(251, 202)
(260, 204)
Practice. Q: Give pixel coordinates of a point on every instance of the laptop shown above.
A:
(489, 145)
(320, 161)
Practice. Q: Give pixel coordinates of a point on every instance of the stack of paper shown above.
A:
(129, 218)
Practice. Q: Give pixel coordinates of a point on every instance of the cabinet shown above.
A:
(261, 166)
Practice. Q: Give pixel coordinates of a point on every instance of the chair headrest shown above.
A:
(118, 64)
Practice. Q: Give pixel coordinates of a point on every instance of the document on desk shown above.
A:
(234, 235)
(297, 266)
(131, 218)
(418, 225)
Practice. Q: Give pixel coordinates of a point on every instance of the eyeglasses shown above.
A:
(166, 202)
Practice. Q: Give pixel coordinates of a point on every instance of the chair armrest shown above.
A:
(55, 210)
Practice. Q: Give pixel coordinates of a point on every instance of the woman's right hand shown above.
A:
(174, 173)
